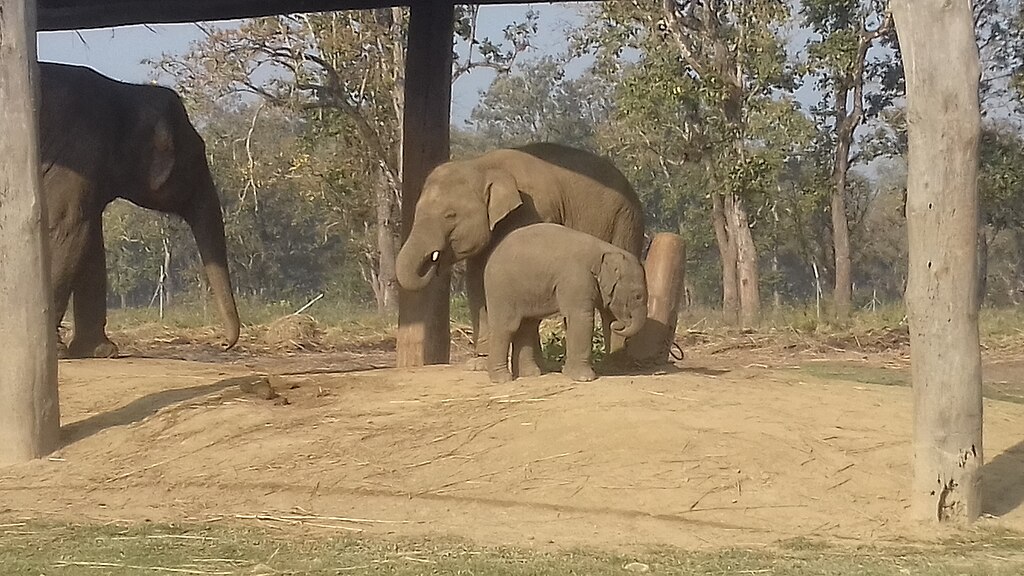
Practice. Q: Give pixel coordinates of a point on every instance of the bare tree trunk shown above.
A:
(842, 292)
(29, 411)
(776, 295)
(727, 253)
(746, 262)
(940, 56)
(387, 295)
(847, 121)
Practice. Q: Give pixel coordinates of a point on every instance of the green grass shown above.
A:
(33, 549)
(196, 314)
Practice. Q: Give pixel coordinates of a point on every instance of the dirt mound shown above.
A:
(699, 457)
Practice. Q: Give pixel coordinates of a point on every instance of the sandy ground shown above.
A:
(703, 456)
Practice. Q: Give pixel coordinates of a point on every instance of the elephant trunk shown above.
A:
(632, 325)
(208, 229)
(417, 263)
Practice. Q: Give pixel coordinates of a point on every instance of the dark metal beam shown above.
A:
(83, 14)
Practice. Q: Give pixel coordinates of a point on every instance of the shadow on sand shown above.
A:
(141, 408)
(1003, 481)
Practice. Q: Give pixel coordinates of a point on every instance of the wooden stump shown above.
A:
(29, 410)
(665, 268)
(424, 335)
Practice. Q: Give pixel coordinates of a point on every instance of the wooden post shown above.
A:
(423, 326)
(29, 413)
(940, 56)
(665, 269)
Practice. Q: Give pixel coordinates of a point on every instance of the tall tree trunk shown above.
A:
(29, 411)
(746, 262)
(842, 292)
(387, 280)
(847, 121)
(940, 56)
(727, 253)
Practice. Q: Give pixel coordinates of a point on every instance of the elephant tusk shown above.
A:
(435, 256)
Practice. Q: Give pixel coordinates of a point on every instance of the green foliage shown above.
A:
(552, 347)
(1001, 177)
(538, 103)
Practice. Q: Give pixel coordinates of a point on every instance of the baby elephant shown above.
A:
(538, 270)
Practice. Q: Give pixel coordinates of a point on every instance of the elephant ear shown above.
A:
(612, 266)
(502, 196)
(161, 160)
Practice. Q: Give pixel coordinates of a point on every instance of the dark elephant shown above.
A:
(467, 205)
(101, 139)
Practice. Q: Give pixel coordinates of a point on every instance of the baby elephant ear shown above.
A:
(161, 161)
(612, 266)
(502, 196)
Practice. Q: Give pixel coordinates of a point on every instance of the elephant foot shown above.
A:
(500, 376)
(580, 373)
(477, 364)
(529, 370)
(102, 349)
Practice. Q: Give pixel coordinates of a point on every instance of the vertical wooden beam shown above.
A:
(423, 325)
(940, 56)
(29, 413)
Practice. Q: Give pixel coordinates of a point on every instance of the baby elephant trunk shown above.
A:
(630, 326)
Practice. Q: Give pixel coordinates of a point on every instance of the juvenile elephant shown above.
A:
(542, 269)
(467, 205)
(101, 139)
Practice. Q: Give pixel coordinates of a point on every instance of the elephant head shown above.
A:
(623, 286)
(166, 169)
(459, 207)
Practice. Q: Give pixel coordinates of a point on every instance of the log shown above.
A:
(29, 408)
(665, 268)
(424, 335)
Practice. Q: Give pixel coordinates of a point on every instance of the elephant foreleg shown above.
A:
(89, 291)
(478, 313)
(579, 335)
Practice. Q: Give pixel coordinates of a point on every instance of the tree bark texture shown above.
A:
(29, 412)
(746, 262)
(940, 56)
(846, 124)
(424, 335)
(727, 254)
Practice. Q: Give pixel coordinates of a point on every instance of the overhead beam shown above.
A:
(83, 14)
(424, 335)
(29, 411)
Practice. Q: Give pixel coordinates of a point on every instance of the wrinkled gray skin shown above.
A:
(468, 205)
(101, 139)
(543, 269)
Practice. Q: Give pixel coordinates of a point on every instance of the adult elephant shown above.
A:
(101, 139)
(467, 205)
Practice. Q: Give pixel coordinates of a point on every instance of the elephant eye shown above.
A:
(449, 215)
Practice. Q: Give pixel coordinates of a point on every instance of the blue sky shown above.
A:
(118, 52)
